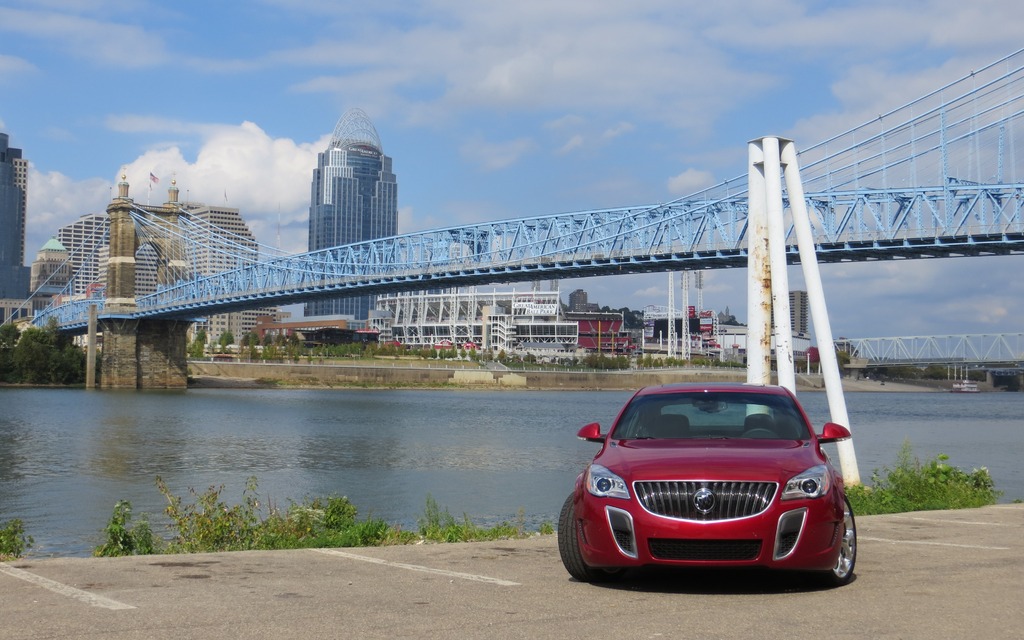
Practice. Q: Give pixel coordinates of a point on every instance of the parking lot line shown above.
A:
(90, 599)
(935, 544)
(416, 567)
(953, 521)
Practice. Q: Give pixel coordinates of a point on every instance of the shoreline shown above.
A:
(237, 375)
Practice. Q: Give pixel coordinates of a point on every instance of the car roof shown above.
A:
(716, 387)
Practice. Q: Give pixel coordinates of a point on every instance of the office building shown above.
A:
(51, 272)
(86, 243)
(14, 275)
(225, 223)
(799, 307)
(354, 198)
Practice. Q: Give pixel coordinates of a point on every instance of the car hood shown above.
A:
(723, 459)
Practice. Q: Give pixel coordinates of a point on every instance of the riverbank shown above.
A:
(234, 375)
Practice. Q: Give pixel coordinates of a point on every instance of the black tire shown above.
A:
(842, 573)
(569, 549)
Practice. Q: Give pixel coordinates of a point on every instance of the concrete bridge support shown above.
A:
(139, 353)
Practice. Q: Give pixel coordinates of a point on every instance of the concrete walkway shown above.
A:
(948, 574)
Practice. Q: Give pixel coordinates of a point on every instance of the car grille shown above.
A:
(675, 499)
(711, 550)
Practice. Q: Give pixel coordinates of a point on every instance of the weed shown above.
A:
(124, 539)
(208, 524)
(13, 540)
(912, 486)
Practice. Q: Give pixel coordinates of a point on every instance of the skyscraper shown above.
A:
(14, 275)
(354, 197)
(799, 307)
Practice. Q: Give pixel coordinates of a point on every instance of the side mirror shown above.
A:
(833, 432)
(591, 433)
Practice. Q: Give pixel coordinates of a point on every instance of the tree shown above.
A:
(226, 339)
(198, 347)
(32, 355)
(8, 340)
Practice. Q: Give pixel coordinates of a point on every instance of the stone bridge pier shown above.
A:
(140, 353)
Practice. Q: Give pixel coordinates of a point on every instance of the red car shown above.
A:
(721, 475)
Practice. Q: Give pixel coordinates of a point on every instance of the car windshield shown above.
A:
(702, 414)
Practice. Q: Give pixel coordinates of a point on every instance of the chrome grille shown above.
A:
(732, 500)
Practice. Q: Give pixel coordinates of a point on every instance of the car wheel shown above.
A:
(842, 573)
(569, 549)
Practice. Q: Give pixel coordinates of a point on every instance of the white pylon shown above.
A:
(768, 283)
(671, 315)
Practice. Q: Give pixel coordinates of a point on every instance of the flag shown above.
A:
(153, 179)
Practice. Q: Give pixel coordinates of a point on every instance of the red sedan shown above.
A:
(723, 475)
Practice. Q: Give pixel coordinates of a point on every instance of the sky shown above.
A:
(491, 111)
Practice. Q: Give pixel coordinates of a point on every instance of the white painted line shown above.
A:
(936, 544)
(90, 599)
(416, 567)
(941, 521)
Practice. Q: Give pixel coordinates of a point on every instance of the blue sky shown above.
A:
(492, 110)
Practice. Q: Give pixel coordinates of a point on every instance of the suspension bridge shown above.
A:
(937, 177)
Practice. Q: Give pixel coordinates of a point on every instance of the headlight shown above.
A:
(604, 484)
(813, 483)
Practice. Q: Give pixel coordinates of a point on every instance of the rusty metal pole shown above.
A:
(759, 277)
(783, 331)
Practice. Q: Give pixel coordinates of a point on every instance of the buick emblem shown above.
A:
(704, 500)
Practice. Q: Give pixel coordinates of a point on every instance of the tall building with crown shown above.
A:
(14, 275)
(354, 197)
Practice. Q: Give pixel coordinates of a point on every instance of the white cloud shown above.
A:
(575, 142)
(12, 65)
(105, 42)
(491, 156)
(55, 200)
(690, 181)
(266, 178)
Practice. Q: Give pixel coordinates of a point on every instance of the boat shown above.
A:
(965, 386)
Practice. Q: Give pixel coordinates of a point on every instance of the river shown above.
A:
(67, 456)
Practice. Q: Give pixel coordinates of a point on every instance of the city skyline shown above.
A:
(492, 112)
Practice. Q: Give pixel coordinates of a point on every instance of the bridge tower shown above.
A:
(141, 353)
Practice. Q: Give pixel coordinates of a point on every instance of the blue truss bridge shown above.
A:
(999, 350)
(937, 177)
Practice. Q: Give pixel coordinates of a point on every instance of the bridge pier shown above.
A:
(143, 354)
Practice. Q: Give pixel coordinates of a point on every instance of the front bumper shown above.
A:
(797, 534)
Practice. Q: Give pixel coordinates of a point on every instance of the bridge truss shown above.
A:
(863, 189)
(1002, 348)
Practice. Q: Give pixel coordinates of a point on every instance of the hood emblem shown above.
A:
(704, 500)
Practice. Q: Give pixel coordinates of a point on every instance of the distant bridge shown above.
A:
(999, 350)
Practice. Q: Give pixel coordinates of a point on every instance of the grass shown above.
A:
(913, 486)
(206, 523)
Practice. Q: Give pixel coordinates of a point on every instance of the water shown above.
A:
(67, 456)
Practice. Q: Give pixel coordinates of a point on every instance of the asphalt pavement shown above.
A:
(927, 575)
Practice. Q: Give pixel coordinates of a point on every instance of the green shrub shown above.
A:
(912, 486)
(124, 539)
(13, 540)
(208, 524)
